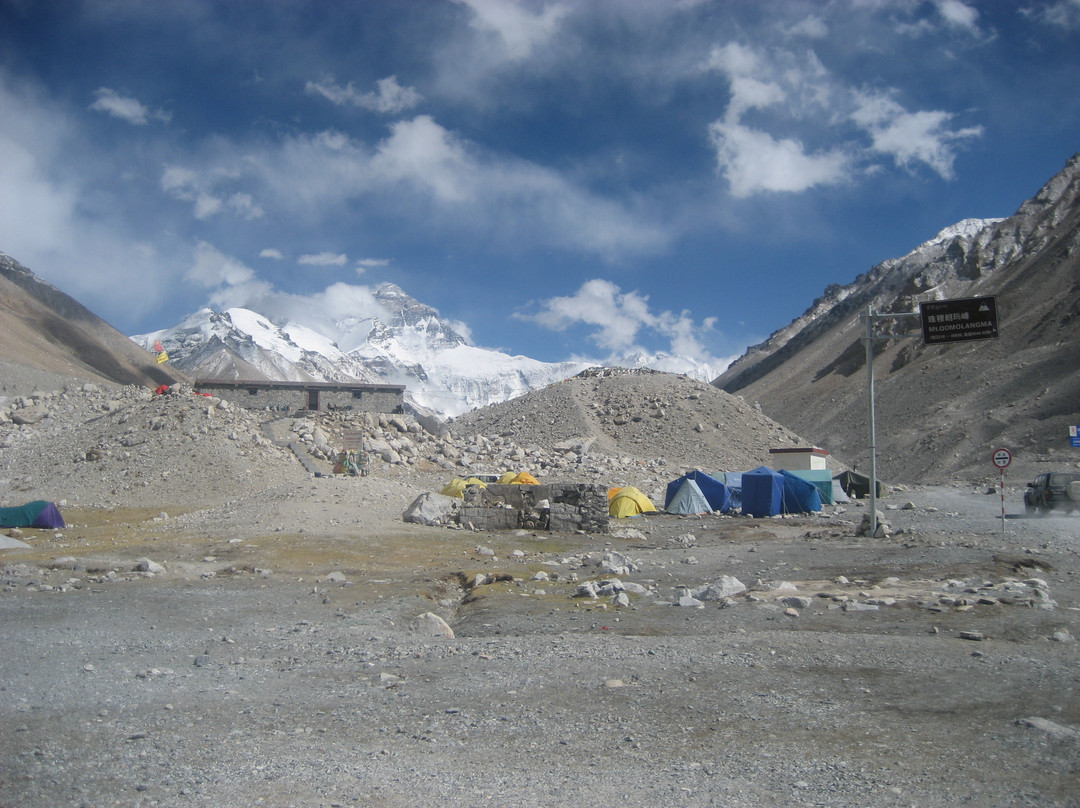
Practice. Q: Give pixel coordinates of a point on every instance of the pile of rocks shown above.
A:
(606, 427)
(98, 445)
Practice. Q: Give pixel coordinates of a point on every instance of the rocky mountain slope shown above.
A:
(43, 329)
(942, 410)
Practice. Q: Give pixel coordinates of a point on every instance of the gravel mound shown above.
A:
(642, 414)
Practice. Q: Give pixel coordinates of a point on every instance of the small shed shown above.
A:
(807, 458)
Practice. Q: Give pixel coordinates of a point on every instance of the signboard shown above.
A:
(353, 440)
(959, 320)
(1074, 436)
(1002, 458)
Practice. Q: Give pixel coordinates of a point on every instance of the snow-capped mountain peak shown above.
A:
(406, 343)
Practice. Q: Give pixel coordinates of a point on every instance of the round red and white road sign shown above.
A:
(1002, 458)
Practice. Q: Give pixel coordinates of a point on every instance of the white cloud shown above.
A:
(423, 153)
(43, 190)
(513, 197)
(958, 14)
(518, 30)
(269, 252)
(230, 281)
(233, 284)
(911, 137)
(1063, 14)
(212, 268)
(422, 168)
(245, 206)
(364, 264)
(800, 95)
(388, 97)
(201, 188)
(323, 259)
(126, 108)
(753, 161)
(812, 27)
(618, 317)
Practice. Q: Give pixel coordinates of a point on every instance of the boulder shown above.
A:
(431, 509)
(725, 587)
(431, 625)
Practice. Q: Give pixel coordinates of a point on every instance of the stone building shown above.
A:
(293, 396)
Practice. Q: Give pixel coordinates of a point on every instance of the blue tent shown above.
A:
(762, 492)
(716, 493)
(800, 496)
(688, 499)
(733, 481)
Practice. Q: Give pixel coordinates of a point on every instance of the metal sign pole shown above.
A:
(1002, 458)
(873, 429)
(1003, 502)
(871, 318)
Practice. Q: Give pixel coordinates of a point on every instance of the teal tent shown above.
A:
(39, 514)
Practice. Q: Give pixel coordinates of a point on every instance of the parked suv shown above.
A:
(1057, 489)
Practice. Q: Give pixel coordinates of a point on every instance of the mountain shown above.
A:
(407, 344)
(941, 410)
(44, 330)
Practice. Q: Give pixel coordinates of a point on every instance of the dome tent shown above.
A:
(715, 492)
(688, 499)
(39, 514)
(629, 501)
(456, 487)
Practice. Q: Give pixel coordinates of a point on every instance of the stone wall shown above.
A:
(560, 507)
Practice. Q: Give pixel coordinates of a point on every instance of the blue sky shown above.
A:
(567, 179)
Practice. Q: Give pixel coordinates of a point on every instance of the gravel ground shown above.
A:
(286, 669)
(216, 626)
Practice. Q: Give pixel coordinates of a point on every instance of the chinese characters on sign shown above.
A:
(959, 320)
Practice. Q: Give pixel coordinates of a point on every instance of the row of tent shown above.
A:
(456, 487)
(761, 492)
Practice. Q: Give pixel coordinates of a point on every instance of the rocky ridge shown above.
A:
(941, 409)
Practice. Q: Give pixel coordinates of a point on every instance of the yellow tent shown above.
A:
(628, 501)
(525, 479)
(456, 487)
(508, 478)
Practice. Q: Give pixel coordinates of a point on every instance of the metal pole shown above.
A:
(870, 403)
(1002, 502)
